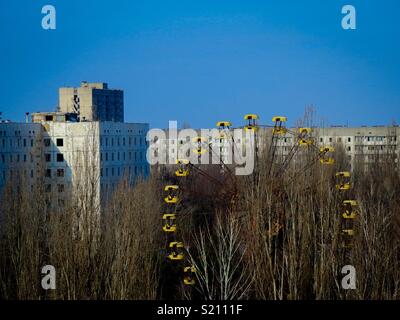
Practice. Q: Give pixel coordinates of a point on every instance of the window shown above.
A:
(48, 173)
(49, 118)
(60, 142)
(47, 142)
(47, 188)
(60, 157)
(60, 188)
(47, 157)
(348, 139)
(60, 172)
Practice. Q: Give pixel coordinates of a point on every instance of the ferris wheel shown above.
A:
(215, 187)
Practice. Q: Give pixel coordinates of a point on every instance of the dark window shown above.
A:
(47, 188)
(60, 157)
(48, 173)
(60, 172)
(47, 157)
(60, 142)
(47, 142)
(60, 188)
(49, 118)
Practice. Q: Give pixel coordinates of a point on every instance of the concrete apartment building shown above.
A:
(64, 151)
(93, 102)
(360, 144)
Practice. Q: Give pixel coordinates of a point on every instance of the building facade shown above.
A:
(359, 144)
(93, 102)
(67, 154)
(71, 152)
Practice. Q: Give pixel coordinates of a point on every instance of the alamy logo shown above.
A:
(349, 280)
(203, 146)
(349, 20)
(49, 20)
(49, 280)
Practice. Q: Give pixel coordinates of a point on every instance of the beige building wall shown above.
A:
(93, 102)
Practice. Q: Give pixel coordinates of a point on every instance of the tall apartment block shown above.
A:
(62, 150)
(93, 102)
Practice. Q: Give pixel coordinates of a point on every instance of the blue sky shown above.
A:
(203, 61)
